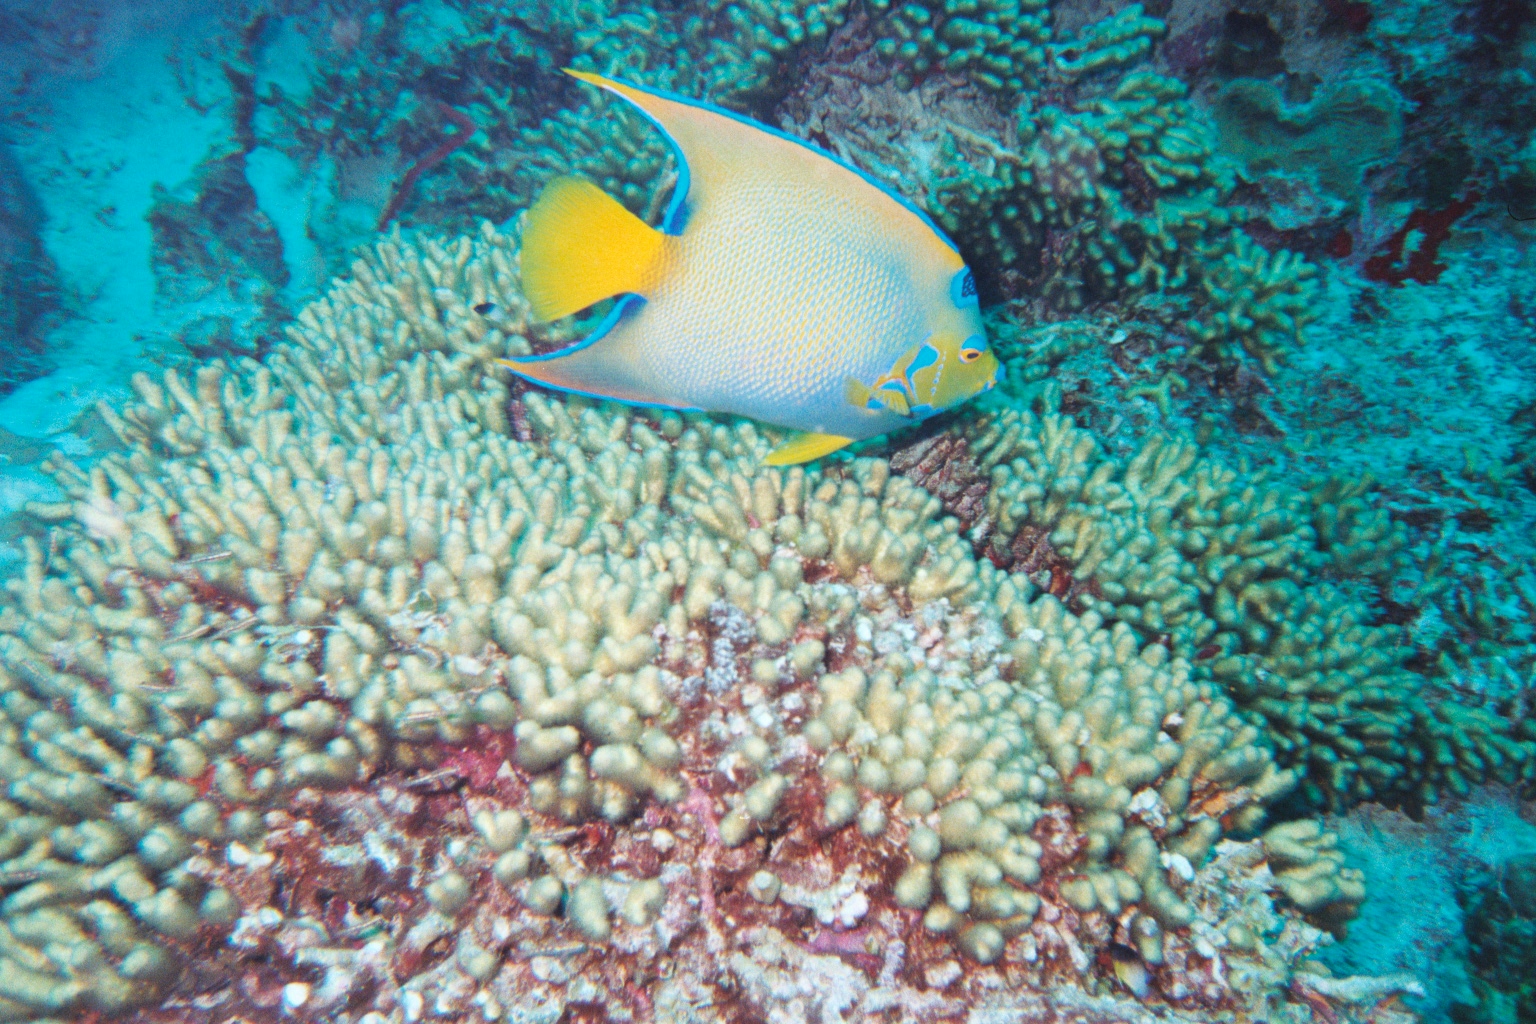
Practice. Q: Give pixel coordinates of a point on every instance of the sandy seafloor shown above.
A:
(1419, 395)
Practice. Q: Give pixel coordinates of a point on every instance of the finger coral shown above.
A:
(1000, 43)
(354, 684)
(1239, 577)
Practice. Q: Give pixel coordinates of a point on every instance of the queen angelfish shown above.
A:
(783, 285)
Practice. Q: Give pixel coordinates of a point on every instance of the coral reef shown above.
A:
(211, 242)
(1248, 582)
(1105, 185)
(1309, 869)
(1259, 301)
(1333, 139)
(338, 640)
(358, 683)
(999, 43)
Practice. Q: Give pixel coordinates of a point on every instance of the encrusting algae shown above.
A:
(354, 688)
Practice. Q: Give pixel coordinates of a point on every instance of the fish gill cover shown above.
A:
(345, 678)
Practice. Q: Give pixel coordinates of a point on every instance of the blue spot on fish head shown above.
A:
(962, 289)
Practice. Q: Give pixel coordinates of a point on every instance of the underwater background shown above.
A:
(1190, 674)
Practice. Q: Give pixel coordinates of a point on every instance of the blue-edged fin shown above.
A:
(581, 246)
(715, 144)
(888, 396)
(806, 448)
(894, 398)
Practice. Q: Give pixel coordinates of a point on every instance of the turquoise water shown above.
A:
(1188, 672)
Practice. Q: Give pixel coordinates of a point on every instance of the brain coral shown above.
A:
(351, 687)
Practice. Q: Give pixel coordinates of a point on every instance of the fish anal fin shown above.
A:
(806, 448)
(580, 246)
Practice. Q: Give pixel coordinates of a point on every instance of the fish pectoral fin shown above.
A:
(806, 448)
(894, 400)
(862, 396)
(580, 246)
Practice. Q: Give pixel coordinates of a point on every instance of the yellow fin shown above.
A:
(857, 393)
(895, 401)
(806, 448)
(581, 246)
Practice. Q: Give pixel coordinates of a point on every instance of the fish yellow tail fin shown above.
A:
(581, 246)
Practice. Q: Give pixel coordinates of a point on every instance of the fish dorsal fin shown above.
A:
(716, 146)
(581, 246)
(806, 448)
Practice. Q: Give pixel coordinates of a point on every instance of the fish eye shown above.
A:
(970, 355)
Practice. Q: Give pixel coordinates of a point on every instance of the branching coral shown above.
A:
(370, 101)
(999, 43)
(1119, 40)
(336, 641)
(1309, 869)
(1119, 191)
(732, 53)
(1259, 301)
(1238, 577)
(604, 141)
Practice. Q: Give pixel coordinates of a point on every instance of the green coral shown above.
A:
(1256, 301)
(1119, 40)
(1333, 139)
(1143, 131)
(1253, 583)
(729, 53)
(999, 43)
(1119, 194)
(605, 141)
(1113, 188)
(1065, 172)
(380, 97)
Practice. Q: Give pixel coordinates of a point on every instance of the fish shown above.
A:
(783, 285)
(1129, 969)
